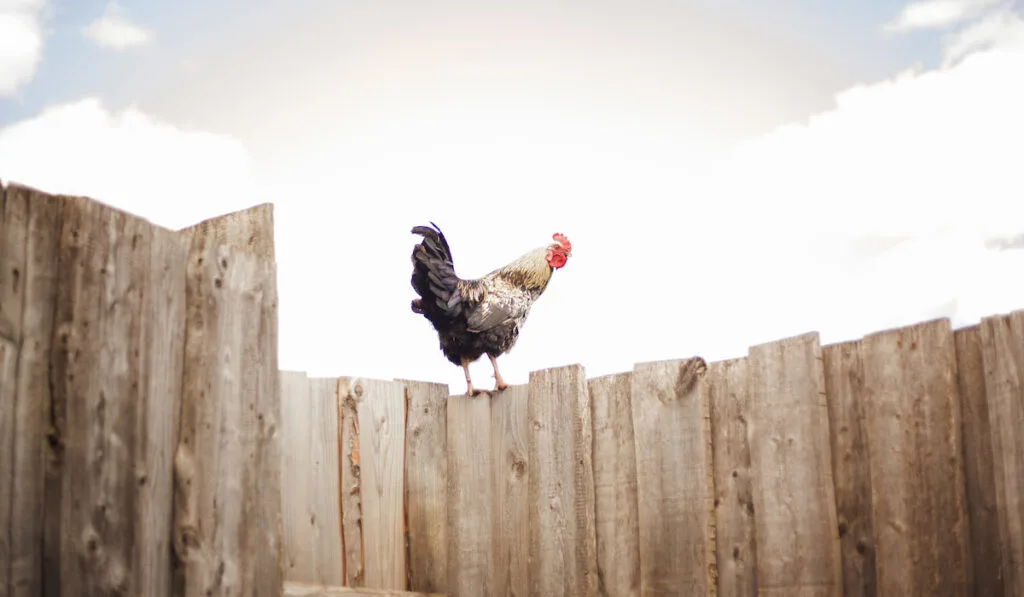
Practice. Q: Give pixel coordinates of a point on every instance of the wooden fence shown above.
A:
(891, 466)
(139, 403)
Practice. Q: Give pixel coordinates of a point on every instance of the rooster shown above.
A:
(482, 316)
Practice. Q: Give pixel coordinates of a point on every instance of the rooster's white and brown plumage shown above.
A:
(482, 316)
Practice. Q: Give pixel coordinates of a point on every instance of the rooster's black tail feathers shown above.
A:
(434, 279)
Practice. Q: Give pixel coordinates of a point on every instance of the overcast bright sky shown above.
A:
(729, 173)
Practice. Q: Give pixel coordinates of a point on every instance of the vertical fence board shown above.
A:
(913, 422)
(163, 343)
(28, 286)
(797, 544)
(615, 504)
(563, 538)
(469, 497)
(675, 477)
(986, 561)
(296, 476)
(1002, 346)
(381, 409)
(510, 467)
(326, 517)
(426, 485)
(844, 388)
(228, 451)
(736, 548)
(351, 493)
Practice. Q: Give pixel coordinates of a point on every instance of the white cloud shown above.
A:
(129, 160)
(113, 30)
(1003, 29)
(21, 43)
(936, 14)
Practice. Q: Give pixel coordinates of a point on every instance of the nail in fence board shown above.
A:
(510, 469)
(671, 424)
(469, 496)
(563, 551)
(729, 400)
(844, 388)
(797, 544)
(986, 563)
(615, 505)
(1002, 348)
(426, 485)
(913, 423)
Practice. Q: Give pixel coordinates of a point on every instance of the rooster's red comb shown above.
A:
(562, 240)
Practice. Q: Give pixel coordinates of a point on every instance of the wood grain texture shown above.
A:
(325, 521)
(297, 589)
(912, 415)
(380, 406)
(228, 451)
(563, 550)
(671, 424)
(249, 231)
(426, 485)
(297, 499)
(615, 503)
(985, 570)
(29, 233)
(469, 497)
(735, 545)
(844, 388)
(351, 493)
(1002, 349)
(510, 466)
(798, 548)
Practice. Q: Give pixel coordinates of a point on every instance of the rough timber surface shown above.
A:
(470, 506)
(913, 422)
(844, 387)
(351, 495)
(671, 424)
(563, 550)
(986, 548)
(1002, 345)
(228, 451)
(615, 505)
(729, 399)
(29, 232)
(426, 485)
(510, 468)
(380, 406)
(797, 544)
(296, 589)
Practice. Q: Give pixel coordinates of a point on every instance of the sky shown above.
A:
(729, 173)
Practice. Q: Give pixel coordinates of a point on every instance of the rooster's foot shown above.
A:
(500, 386)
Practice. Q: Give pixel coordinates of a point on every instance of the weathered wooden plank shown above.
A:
(985, 570)
(297, 499)
(426, 485)
(29, 233)
(228, 452)
(844, 389)
(351, 493)
(912, 416)
(509, 473)
(469, 511)
(563, 550)
(675, 483)
(162, 363)
(325, 521)
(615, 504)
(380, 406)
(296, 589)
(248, 231)
(798, 550)
(1002, 349)
(735, 547)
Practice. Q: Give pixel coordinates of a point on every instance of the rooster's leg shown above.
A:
(499, 383)
(470, 390)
